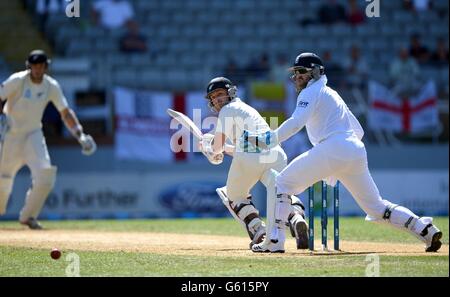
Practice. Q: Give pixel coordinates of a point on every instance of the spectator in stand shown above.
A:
(440, 55)
(44, 8)
(259, 69)
(417, 50)
(331, 12)
(356, 69)
(355, 15)
(279, 72)
(112, 14)
(404, 74)
(422, 5)
(334, 70)
(133, 41)
(408, 5)
(233, 72)
(417, 5)
(49, 6)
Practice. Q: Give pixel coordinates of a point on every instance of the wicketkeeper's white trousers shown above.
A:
(342, 156)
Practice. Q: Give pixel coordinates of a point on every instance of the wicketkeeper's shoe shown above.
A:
(299, 230)
(33, 224)
(433, 237)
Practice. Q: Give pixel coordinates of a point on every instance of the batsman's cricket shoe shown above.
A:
(271, 245)
(33, 224)
(432, 236)
(259, 236)
(299, 230)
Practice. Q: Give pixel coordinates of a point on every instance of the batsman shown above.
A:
(254, 159)
(22, 142)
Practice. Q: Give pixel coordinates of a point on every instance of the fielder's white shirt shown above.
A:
(26, 101)
(237, 116)
(323, 112)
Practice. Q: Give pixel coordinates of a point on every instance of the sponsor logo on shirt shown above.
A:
(27, 94)
(303, 104)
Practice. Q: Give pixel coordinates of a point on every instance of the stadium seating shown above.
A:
(203, 34)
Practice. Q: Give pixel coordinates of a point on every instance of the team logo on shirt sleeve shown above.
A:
(302, 104)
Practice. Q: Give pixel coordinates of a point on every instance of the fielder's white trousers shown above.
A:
(19, 150)
(342, 156)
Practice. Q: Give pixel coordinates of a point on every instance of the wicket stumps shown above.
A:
(324, 216)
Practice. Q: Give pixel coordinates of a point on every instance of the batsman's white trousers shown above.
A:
(248, 168)
(342, 156)
(19, 150)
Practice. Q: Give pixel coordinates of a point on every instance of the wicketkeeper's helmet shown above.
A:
(309, 62)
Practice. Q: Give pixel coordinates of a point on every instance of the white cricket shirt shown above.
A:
(237, 116)
(26, 101)
(323, 112)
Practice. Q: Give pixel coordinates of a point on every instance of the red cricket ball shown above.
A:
(55, 254)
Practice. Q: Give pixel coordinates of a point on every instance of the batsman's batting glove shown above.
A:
(206, 143)
(206, 148)
(214, 159)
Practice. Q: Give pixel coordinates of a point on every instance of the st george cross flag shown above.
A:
(410, 115)
(142, 125)
(144, 130)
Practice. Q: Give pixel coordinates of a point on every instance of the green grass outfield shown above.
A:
(21, 261)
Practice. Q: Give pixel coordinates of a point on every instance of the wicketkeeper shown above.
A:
(338, 154)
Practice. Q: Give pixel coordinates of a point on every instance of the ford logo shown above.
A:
(199, 197)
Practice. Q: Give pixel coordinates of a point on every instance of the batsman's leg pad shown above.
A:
(299, 230)
(245, 213)
(298, 206)
(297, 209)
(6, 184)
(297, 203)
(283, 209)
(43, 182)
(268, 180)
(277, 213)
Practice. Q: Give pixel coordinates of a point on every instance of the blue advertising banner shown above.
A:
(178, 194)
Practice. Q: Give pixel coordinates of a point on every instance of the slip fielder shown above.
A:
(254, 159)
(338, 154)
(22, 142)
